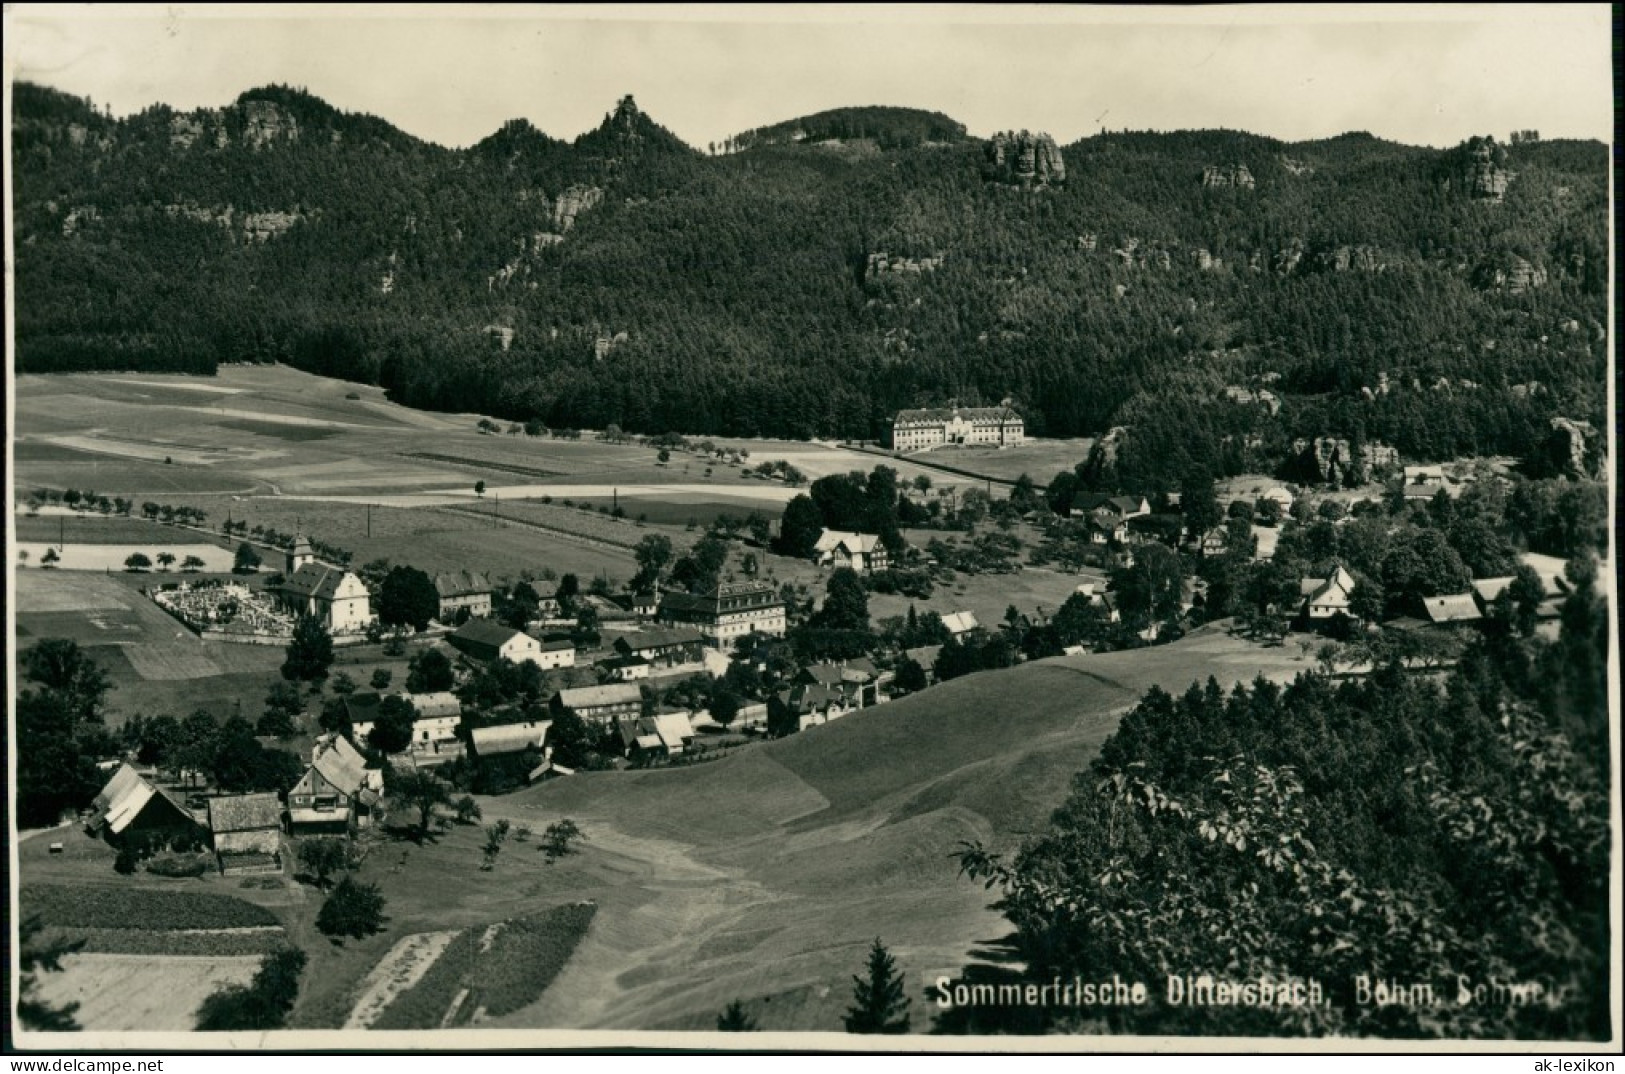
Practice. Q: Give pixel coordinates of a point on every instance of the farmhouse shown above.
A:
(663, 648)
(486, 640)
(805, 705)
(960, 623)
(916, 430)
(626, 668)
(1451, 609)
(505, 738)
(131, 809)
(856, 679)
(337, 792)
(1216, 541)
(336, 597)
(463, 589)
(434, 725)
(666, 735)
(1120, 507)
(599, 704)
(1327, 598)
(863, 552)
(1105, 527)
(926, 657)
(247, 833)
(732, 610)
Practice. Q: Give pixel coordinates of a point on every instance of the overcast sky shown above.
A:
(1423, 74)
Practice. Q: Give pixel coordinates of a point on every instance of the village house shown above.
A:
(926, 657)
(862, 552)
(463, 589)
(599, 704)
(731, 611)
(1216, 541)
(644, 604)
(803, 705)
(1103, 527)
(916, 430)
(486, 640)
(857, 679)
(626, 668)
(664, 735)
(504, 738)
(246, 830)
(663, 648)
(1122, 508)
(337, 793)
(337, 597)
(436, 718)
(130, 809)
(1451, 609)
(1327, 598)
(960, 624)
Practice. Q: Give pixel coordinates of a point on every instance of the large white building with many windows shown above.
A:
(731, 611)
(997, 426)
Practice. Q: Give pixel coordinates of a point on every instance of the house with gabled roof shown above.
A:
(338, 791)
(862, 552)
(1327, 598)
(1451, 609)
(246, 831)
(599, 704)
(960, 623)
(130, 808)
(463, 589)
(663, 647)
(626, 668)
(503, 738)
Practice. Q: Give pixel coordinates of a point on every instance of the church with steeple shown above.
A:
(332, 594)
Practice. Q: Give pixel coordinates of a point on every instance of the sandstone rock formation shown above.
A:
(1512, 274)
(1360, 258)
(1483, 173)
(266, 121)
(1024, 159)
(1574, 448)
(263, 227)
(1236, 175)
(575, 200)
(1331, 460)
(882, 263)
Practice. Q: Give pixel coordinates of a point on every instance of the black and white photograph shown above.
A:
(916, 528)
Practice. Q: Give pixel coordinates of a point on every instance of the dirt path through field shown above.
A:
(397, 971)
(639, 953)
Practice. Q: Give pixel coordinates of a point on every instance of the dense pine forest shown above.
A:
(811, 278)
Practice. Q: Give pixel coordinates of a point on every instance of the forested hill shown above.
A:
(1441, 301)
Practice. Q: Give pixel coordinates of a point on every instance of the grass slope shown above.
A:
(763, 876)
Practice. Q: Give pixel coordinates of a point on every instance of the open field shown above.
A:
(79, 528)
(111, 557)
(1040, 460)
(154, 663)
(142, 992)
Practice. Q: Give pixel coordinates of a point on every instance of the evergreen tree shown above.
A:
(310, 652)
(734, 1020)
(878, 1002)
